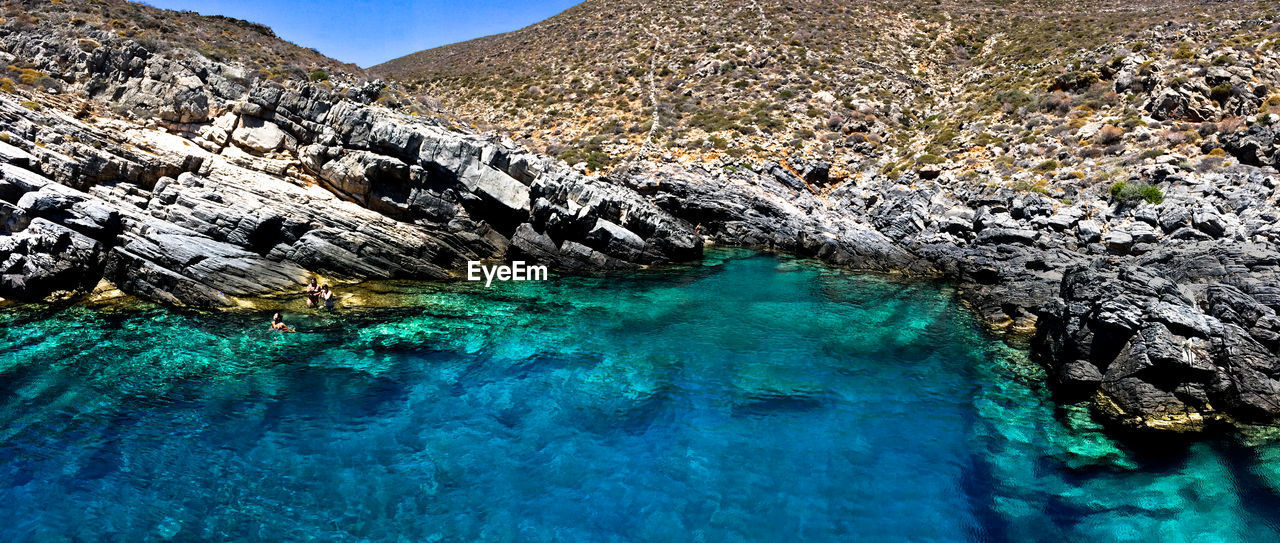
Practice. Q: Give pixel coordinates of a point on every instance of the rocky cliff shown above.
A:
(191, 181)
(205, 184)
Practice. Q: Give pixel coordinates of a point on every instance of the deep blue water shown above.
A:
(750, 398)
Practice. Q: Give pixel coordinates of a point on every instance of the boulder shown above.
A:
(1210, 223)
(818, 173)
(258, 135)
(1118, 241)
(489, 182)
(357, 173)
(1255, 146)
(1177, 104)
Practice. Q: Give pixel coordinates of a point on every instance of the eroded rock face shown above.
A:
(1170, 347)
(778, 215)
(1190, 105)
(1257, 146)
(247, 188)
(46, 257)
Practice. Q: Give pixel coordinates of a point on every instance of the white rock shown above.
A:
(258, 135)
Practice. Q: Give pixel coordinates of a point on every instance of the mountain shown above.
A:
(216, 37)
(999, 91)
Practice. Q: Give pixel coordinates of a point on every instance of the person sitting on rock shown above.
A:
(327, 297)
(313, 293)
(277, 323)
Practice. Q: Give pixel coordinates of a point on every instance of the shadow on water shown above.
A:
(978, 484)
(1263, 494)
(778, 404)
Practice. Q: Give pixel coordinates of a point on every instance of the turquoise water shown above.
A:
(749, 398)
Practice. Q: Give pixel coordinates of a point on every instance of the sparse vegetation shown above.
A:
(1036, 185)
(218, 38)
(1056, 95)
(1128, 193)
(29, 76)
(1109, 135)
(928, 158)
(589, 152)
(1221, 93)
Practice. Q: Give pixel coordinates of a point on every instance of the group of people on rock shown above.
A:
(316, 296)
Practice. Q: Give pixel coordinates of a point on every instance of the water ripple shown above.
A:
(748, 399)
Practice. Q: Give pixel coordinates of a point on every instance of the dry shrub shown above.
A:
(1174, 137)
(1230, 125)
(1109, 135)
(1056, 102)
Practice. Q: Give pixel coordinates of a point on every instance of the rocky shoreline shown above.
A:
(203, 186)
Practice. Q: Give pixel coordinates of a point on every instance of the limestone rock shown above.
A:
(258, 135)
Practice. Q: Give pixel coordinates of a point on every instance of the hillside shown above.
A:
(998, 91)
(218, 38)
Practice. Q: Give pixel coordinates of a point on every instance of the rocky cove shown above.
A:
(183, 180)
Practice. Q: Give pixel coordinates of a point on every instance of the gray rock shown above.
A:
(1179, 105)
(496, 186)
(1090, 230)
(1255, 146)
(1173, 218)
(361, 174)
(1005, 236)
(1152, 339)
(1210, 223)
(1118, 241)
(44, 258)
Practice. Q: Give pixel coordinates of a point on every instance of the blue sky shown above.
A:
(369, 32)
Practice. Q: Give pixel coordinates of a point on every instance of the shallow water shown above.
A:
(749, 398)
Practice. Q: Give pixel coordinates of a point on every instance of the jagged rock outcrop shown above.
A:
(773, 210)
(1257, 146)
(1174, 341)
(238, 188)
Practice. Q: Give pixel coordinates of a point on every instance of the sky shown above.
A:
(369, 32)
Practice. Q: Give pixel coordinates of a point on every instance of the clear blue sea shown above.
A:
(749, 398)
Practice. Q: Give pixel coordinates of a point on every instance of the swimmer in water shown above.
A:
(278, 324)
